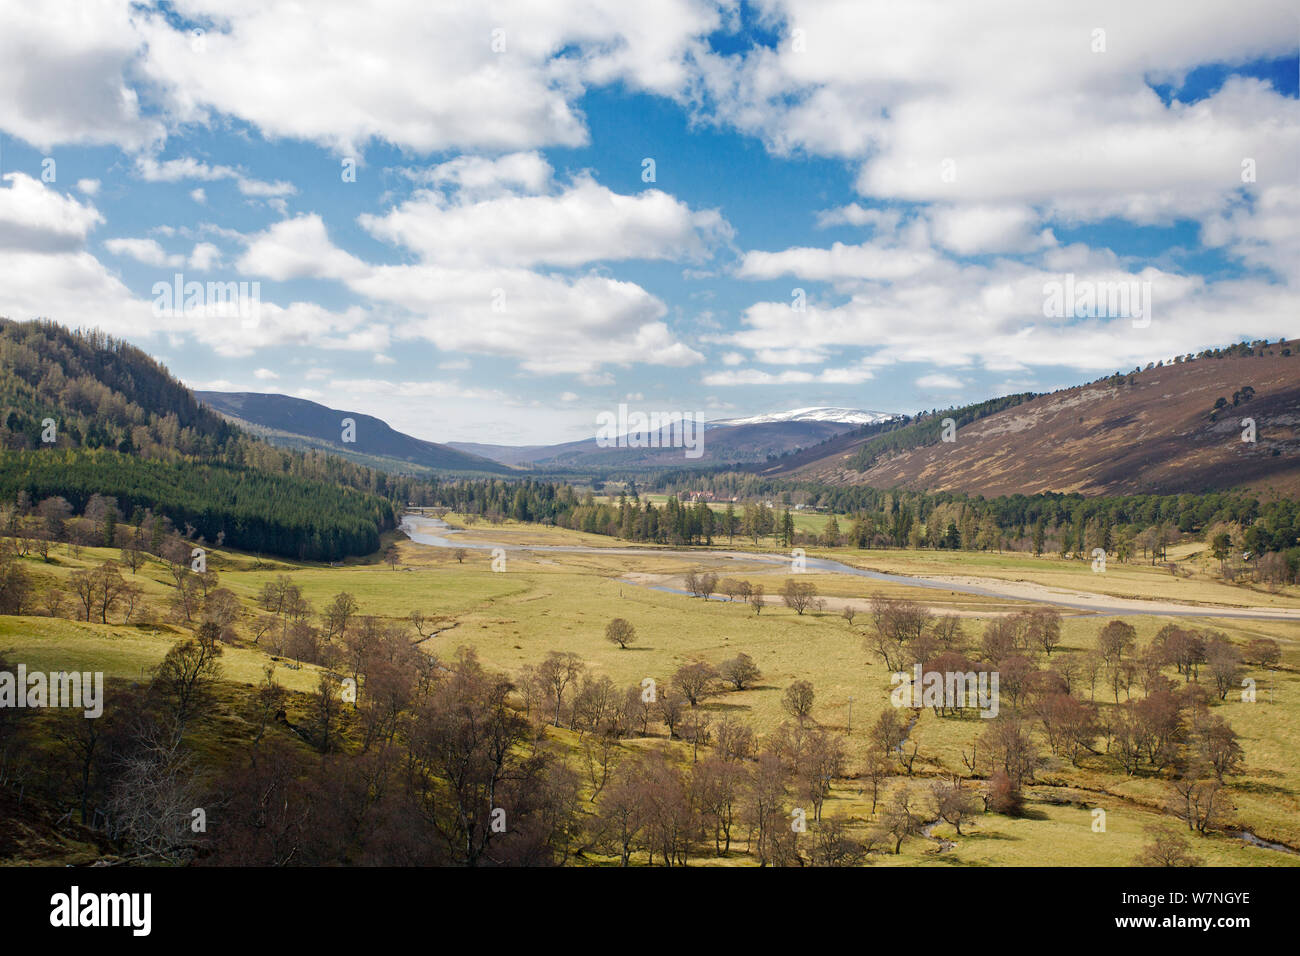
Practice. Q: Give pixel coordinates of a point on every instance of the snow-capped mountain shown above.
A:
(817, 413)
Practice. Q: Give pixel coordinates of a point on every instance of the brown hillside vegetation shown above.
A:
(1147, 432)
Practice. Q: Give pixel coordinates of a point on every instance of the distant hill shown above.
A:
(743, 441)
(1151, 431)
(514, 455)
(299, 423)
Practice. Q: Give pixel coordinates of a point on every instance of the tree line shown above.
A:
(251, 509)
(1068, 524)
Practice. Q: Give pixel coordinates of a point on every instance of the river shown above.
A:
(434, 532)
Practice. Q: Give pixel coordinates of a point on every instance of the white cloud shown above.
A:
(47, 271)
(424, 78)
(73, 288)
(147, 251)
(187, 167)
(295, 249)
(753, 376)
(840, 261)
(987, 103)
(205, 256)
(585, 222)
(484, 177)
(550, 323)
(974, 229)
(63, 75)
(88, 187)
(302, 324)
(994, 317)
(265, 375)
(35, 217)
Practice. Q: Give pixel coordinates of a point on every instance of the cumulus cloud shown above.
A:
(147, 251)
(38, 218)
(484, 176)
(424, 78)
(48, 273)
(914, 94)
(979, 228)
(582, 223)
(551, 323)
(995, 317)
(65, 76)
(204, 256)
(296, 249)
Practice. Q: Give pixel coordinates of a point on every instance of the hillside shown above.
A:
(299, 423)
(83, 415)
(103, 393)
(1150, 431)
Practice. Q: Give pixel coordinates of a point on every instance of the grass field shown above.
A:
(561, 602)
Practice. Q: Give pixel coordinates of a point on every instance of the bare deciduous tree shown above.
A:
(695, 681)
(798, 595)
(1166, 848)
(740, 671)
(798, 700)
(620, 631)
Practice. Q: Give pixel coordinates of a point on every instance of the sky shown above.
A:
(492, 221)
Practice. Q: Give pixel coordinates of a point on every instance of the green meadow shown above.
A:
(546, 602)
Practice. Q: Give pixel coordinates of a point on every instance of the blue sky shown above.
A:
(500, 270)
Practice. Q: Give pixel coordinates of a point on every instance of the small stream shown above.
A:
(1253, 840)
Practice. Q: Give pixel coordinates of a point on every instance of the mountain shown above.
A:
(298, 423)
(729, 441)
(1170, 428)
(817, 413)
